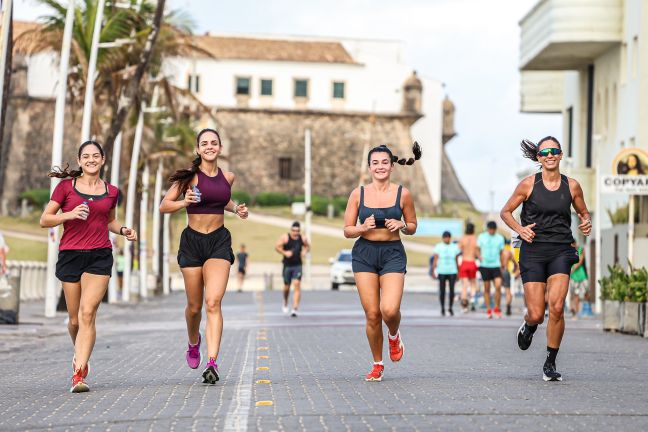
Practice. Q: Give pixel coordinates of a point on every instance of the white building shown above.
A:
(584, 60)
(321, 74)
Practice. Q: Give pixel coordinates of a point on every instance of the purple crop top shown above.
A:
(215, 194)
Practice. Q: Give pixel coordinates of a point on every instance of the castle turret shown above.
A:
(412, 94)
(448, 120)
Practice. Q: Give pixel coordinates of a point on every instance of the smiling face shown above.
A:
(380, 165)
(550, 162)
(90, 159)
(209, 146)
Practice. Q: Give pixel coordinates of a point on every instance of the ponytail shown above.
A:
(183, 177)
(530, 149)
(416, 149)
(65, 172)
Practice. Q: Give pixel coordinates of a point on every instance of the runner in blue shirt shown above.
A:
(446, 257)
(490, 245)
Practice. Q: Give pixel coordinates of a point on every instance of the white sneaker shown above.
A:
(284, 309)
(293, 313)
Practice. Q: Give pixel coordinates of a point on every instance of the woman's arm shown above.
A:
(409, 213)
(351, 228)
(51, 216)
(115, 228)
(521, 194)
(170, 203)
(578, 202)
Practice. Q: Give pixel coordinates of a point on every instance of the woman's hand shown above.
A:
(369, 223)
(190, 197)
(241, 210)
(130, 234)
(585, 226)
(394, 225)
(527, 234)
(79, 212)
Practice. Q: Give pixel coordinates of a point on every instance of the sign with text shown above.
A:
(629, 173)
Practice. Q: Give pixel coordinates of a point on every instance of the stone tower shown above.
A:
(412, 94)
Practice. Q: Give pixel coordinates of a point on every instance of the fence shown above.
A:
(32, 277)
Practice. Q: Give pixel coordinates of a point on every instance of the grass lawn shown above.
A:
(26, 250)
(29, 224)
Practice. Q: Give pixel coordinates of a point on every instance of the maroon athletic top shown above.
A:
(91, 233)
(215, 193)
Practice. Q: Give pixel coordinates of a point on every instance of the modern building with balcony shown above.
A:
(583, 60)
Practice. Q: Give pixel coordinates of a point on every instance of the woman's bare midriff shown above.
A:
(381, 234)
(206, 223)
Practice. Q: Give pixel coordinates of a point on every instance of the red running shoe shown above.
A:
(78, 383)
(84, 371)
(489, 313)
(376, 373)
(498, 313)
(396, 348)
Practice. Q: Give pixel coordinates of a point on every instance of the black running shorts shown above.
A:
(291, 273)
(378, 257)
(196, 248)
(490, 273)
(540, 260)
(72, 264)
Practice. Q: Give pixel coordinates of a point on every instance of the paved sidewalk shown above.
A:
(459, 373)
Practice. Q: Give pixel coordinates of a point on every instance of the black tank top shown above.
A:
(295, 245)
(550, 211)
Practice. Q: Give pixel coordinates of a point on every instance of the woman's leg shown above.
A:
(93, 288)
(391, 294)
(72, 292)
(451, 281)
(194, 286)
(557, 287)
(442, 288)
(369, 291)
(216, 274)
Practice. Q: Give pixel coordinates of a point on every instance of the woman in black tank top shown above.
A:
(378, 258)
(547, 252)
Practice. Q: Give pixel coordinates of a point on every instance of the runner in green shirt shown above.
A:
(578, 286)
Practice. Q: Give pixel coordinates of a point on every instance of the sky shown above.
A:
(472, 46)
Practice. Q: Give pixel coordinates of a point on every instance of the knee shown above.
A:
(374, 318)
(73, 323)
(86, 316)
(213, 305)
(194, 309)
(535, 316)
(389, 313)
(557, 310)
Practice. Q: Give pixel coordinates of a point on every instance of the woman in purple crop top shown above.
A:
(85, 260)
(205, 254)
(378, 258)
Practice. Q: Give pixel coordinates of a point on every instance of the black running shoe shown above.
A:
(549, 373)
(450, 311)
(210, 375)
(524, 337)
(508, 310)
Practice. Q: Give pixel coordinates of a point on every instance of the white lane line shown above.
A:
(239, 409)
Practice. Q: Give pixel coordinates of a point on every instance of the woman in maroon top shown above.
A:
(205, 254)
(87, 204)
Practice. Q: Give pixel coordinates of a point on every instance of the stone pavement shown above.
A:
(287, 374)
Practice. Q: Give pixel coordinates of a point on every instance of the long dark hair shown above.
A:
(66, 172)
(182, 177)
(530, 149)
(416, 149)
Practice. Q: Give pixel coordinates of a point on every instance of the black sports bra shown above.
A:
(380, 214)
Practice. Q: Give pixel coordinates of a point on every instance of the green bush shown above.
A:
(319, 205)
(241, 197)
(340, 204)
(637, 291)
(614, 286)
(270, 199)
(36, 197)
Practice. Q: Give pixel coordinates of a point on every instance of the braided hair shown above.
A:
(67, 172)
(182, 177)
(416, 149)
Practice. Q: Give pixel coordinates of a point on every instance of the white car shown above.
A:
(341, 272)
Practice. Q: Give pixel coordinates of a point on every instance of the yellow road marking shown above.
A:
(263, 368)
(264, 403)
(263, 357)
(263, 348)
(263, 381)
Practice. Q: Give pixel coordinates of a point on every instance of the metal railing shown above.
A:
(32, 277)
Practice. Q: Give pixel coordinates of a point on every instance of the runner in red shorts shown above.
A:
(468, 266)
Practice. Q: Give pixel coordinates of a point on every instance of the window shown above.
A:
(301, 88)
(193, 83)
(242, 86)
(635, 56)
(285, 168)
(266, 87)
(338, 90)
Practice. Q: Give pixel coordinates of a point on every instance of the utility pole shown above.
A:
(92, 69)
(51, 289)
(143, 250)
(307, 201)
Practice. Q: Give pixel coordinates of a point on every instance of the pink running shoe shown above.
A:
(194, 357)
(210, 375)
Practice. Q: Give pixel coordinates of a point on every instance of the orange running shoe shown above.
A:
(498, 313)
(376, 373)
(84, 372)
(489, 313)
(78, 384)
(396, 348)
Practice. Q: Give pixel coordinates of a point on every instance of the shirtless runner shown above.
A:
(468, 266)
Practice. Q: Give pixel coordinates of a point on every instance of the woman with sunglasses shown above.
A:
(547, 252)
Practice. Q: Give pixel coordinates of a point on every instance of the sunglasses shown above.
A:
(549, 151)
